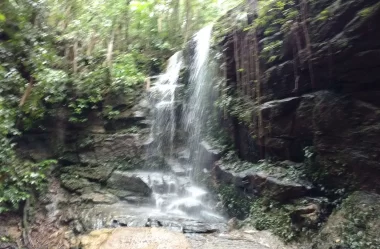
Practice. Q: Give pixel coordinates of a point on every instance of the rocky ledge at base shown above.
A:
(160, 238)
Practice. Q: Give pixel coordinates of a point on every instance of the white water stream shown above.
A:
(181, 197)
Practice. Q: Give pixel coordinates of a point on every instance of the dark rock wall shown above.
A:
(339, 115)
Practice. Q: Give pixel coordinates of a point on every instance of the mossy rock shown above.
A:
(98, 173)
(355, 225)
(77, 184)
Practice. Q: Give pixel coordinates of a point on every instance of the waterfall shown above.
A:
(199, 92)
(175, 193)
(162, 98)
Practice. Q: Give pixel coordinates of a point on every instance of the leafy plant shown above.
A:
(269, 215)
(236, 204)
(19, 179)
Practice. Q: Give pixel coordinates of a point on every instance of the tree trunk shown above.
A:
(110, 49)
(188, 20)
(26, 93)
(75, 54)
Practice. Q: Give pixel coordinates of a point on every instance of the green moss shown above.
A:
(324, 15)
(356, 231)
(237, 106)
(269, 215)
(236, 204)
(367, 12)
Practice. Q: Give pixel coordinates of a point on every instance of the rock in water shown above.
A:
(233, 224)
(134, 238)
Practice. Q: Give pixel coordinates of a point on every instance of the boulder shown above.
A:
(99, 198)
(77, 184)
(307, 216)
(275, 188)
(99, 173)
(270, 180)
(128, 182)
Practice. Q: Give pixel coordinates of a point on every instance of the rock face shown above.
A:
(329, 103)
(110, 148)
(333, 124)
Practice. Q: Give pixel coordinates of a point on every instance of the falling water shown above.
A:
(175, 193)
(195, 111)
(162, 97)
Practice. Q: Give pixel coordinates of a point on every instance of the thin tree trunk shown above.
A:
(26, 93)
(188, 20)
(237, 60)
(110, 49)
(75, 54)
(174, 21)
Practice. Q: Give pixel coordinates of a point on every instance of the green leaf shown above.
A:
(2, 18)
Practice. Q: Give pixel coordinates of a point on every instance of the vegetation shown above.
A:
(77, 55)
(269, 215)
(236, 204)
(74, 54)
(356, 229)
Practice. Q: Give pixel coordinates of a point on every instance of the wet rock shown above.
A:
(127, 181)
(77, 227)
(69, 158)
(208, 155)
(130, 196)
(99, 198)
(188, 205)
(184, 156)
(357, 222)
(105, 149)
(306, 216)
(232, 224)
(153, 223)
(133, 238)
(156, 162)
(178, 169)
(275, 188)
(199, 227)
(269, 180)
(77, 184)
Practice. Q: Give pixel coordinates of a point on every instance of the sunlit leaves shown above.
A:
(2, 18)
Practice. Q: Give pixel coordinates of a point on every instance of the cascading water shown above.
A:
(199, 92)
(181, 196)
(162, 98)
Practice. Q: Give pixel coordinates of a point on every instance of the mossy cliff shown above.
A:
(300, 91)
